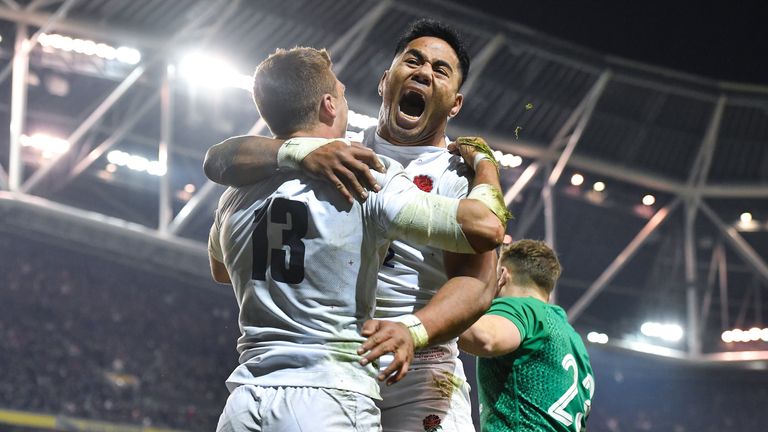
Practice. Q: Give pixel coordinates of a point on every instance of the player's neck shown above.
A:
(318, 131)
(434, 139)
(525, 291)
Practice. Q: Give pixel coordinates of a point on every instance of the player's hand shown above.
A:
(467, 148)
(347, 167)
(387, 337)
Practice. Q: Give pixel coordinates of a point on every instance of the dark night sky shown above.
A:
(724, 40)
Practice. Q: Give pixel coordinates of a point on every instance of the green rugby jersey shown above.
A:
(544, 385)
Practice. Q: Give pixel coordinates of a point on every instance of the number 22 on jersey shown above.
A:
(290, 219)
(559, 409)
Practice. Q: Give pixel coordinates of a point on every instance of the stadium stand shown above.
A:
(85, 337)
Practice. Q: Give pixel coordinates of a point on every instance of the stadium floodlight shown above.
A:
(136, 163)
(746, 222)
(667, 332)
(577, 179)
(727, 336)
(128, 55)
(88, 47)
(598, 338)
(209, 71)
(156, 168)
(672, 333)
(48, 146)
(745, 217)
(507, 160)
(650, 329)
(649, 200)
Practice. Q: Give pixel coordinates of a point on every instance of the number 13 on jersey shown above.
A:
(291, 219)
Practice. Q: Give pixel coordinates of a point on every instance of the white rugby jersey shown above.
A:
(412, 274)
(303, 264)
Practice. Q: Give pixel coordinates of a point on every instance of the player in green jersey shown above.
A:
(533, 372)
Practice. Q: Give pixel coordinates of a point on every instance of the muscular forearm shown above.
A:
(454, 308)
(463, 299)
(490, 336)
(483, 220)
(242, 160)
(478, 340)
(486, 173)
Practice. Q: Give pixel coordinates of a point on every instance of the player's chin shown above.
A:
(411, 132)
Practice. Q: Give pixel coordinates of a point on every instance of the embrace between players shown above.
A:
(336, 292)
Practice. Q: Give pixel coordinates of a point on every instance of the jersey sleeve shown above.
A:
(528, 319)
(384, 206)
(402, 211)
(510, 308)
(214, 239)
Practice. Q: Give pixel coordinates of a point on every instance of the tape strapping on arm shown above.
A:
(492, 198)
(416, 329)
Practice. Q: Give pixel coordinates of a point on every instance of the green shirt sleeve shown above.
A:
(527, 314)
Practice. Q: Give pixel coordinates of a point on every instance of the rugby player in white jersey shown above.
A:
(303, 261)
(447, 291)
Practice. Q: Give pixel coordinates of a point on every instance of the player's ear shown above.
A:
(381, 82)
(503, 278)
(327, 109)
(457, 103)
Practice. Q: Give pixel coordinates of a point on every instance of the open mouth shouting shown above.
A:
(410, 109)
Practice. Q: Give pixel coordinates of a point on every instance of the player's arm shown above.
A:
(219, 271)
(490, 336)
(463, 298)
(244, 160)
(484, 209)
(472, 225)
(471, 286)
(446, 316)
(458, 303)
(241, 160)
(215, 255)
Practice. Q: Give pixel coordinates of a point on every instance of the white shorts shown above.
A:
(429, 400)
(293, 409)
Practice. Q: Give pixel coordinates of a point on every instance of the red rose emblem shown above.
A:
(423, 182)
(431, 423)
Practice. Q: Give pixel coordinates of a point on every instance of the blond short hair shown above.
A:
(288, 87)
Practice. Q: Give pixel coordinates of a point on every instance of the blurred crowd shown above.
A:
(84, 336)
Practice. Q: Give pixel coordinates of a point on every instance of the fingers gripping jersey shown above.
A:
(303, 265)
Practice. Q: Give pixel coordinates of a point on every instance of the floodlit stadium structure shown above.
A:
(111, 105)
